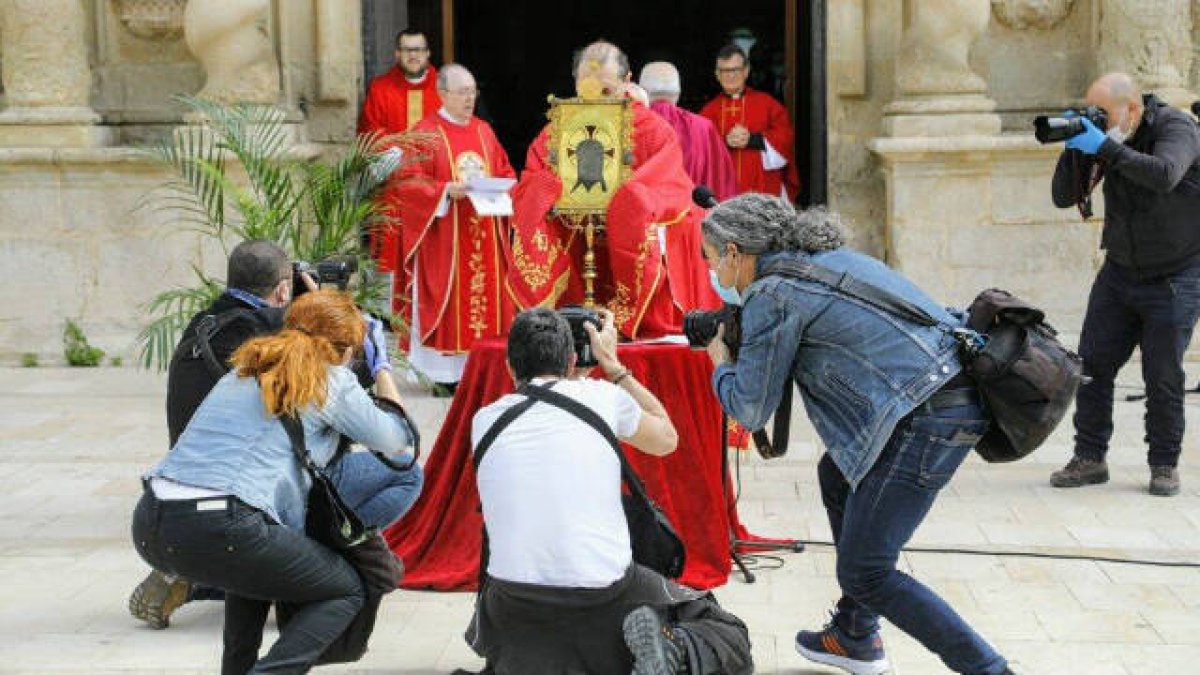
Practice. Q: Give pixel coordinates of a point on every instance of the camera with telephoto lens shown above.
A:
(577, 317)
(700, 327)
(1049, 129)
(332, 271)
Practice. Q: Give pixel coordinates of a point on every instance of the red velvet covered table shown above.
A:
(439, 538)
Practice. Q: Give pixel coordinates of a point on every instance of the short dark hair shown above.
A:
(257, 266)
(411, 32)
(731, 50)
(539, 344)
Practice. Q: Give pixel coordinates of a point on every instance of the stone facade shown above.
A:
(931, 155)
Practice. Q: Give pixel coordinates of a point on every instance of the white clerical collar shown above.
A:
(446, 116)
(738, 95)
(417, 80)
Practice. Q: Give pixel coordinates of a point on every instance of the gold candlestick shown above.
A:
(589, 262)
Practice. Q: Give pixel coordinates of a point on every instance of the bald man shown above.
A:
(705, 157)
(1147, 293)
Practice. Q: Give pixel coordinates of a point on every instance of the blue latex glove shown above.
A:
(375, 347)
(1089, 141)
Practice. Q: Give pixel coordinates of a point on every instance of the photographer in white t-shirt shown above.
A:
(562, 593)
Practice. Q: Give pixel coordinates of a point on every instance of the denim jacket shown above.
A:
(232, 445)
(860, 369)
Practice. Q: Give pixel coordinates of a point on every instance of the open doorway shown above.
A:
(520, 52)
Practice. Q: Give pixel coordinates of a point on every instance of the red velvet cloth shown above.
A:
(439, 538)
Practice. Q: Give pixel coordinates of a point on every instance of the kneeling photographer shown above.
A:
(887, 400)
(1147, 294)
(227, 506)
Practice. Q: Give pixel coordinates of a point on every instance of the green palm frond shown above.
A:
(173, 309)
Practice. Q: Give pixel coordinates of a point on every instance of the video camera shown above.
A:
(577, 317)
(334, 270)
(701, 326)
(1049, 129)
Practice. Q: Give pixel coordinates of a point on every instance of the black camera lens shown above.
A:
(700, 327)
(577, 317)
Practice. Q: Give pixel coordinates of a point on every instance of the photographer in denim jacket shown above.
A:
(1147, 294)
(887, 399)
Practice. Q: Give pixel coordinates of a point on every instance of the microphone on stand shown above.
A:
(704, 197)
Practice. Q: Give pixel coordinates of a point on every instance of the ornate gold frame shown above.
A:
(593, 137)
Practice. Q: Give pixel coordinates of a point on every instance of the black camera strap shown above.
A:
(206, 329)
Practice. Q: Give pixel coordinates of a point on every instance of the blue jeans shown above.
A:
(1123, 313)
(872, 524)
(378, 494)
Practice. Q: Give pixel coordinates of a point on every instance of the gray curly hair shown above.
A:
(758, 223)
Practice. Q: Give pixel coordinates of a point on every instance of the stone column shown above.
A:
(47, 78)
(937, 92)
(1152, 41)
(232, 41)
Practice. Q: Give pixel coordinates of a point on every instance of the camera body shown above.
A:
(577, 317)
(700, 327)
(334, 270)
(1049, 129)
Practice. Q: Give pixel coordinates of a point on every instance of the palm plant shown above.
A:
(238, 177)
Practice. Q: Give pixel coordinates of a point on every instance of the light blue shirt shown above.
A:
(232, 445)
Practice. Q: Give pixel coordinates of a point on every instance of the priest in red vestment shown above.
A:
(648, 260)
(454, 263)
(756, 129)
(705, 157)
(395, 102)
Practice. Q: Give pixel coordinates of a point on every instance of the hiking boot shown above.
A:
(833, 647)
(157, 597)
(1079, 472)
(1164, 481)
(656, 648)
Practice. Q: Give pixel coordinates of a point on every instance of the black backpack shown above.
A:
(1027, 378)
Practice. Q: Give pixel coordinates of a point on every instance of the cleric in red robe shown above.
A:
(756, 129)
(705, 156)
(650, 268)
(454, 264)
(396, 101)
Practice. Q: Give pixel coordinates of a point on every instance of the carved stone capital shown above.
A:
(1025, 14)
(232, 41)
(152, 19)
(1152, 41)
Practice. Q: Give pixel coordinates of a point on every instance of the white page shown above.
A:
(490, 184)
(491, 203)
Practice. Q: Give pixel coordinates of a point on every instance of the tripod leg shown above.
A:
(741, 565)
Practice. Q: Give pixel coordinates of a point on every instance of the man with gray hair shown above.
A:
(454, 265)
(704, 155)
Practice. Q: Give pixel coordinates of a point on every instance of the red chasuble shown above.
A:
(394, 105)
(458, 259)
(761, 114)
(705, 156)
(647, 291)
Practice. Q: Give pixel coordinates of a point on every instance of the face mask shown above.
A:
(1116, 133)
(730, 295)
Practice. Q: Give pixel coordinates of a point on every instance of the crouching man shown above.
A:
(561, 593)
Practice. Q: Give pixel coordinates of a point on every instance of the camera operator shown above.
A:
(886, 397)
(1147, 293)
(561, 586)
(226, 507)
(260, 278)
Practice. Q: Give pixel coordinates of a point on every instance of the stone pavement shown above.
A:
(72, 443)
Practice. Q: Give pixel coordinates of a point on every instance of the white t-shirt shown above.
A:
(551, 489)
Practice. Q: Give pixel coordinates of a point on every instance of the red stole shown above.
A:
(761, 114)
(705, 156)
(458, 257)
(646, 291)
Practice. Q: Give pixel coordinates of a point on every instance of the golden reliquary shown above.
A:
(591, 151)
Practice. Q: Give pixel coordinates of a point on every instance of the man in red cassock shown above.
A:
(704, 154)
(648, 260)
(396, 101)
(756, 129)
(454, 264)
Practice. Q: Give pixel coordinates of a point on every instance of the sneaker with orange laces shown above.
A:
(834, 647)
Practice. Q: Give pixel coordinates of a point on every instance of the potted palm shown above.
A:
(238, 177)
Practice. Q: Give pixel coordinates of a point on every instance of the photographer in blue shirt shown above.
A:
(887, 399)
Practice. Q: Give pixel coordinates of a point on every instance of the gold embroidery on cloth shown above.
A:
(416, 107)
(477, 287)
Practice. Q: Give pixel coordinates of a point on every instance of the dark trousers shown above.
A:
(225, 543)
(872, 523)
(1157, 316)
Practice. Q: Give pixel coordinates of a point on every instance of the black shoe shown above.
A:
(1164, 481)
(1079, 472)
(656, 649)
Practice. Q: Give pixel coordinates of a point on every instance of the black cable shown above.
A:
(1030, 554)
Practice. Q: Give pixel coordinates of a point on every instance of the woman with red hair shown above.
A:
(226, 507)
